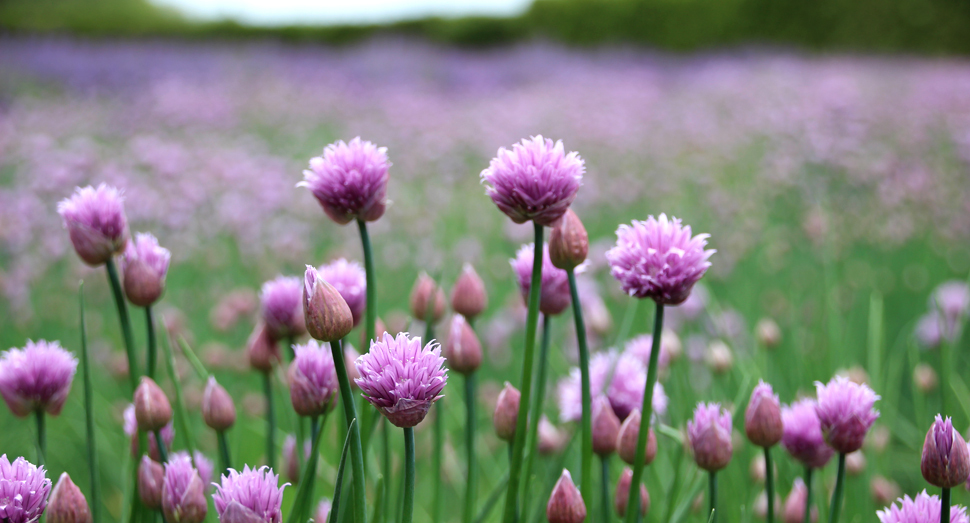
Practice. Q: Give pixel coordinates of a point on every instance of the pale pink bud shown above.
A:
(67, 503)
(506, 412)
(762, 419)
(328, 317)
(565, 503)
(262, 350)
(568, 242)
(622, 497)
(152, 409)
(425, 290)
(218, 410)
(151, 475)
(626, 440)
(606, 427)
(767, 333)
(794, 510)
(462, 349)
(468, 296)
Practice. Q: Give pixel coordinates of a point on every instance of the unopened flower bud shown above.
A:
(709, 436)
(323, 511)
(924, 377)
(883, 491)
(145, 265)
(762, 419)
(462, 348)
(468, 297)
(152, 409)
(945, 462)
(719, 357)
(506, 412)
(218, 410)
(328, 317)
(794, 510)
(568, 242)
(551, 439)
(565, 503)
(379, 329)
(67, 504)
(151, 475)
(622, 497)
(606, 427)
(855, 463)
(626, 440)
(767, 333)
(425, 289)
(262, 350)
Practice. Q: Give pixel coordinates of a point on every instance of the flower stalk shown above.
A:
(408, 513)
(152, 342)
(535, 412)
(712, 493)
(89, 416)
(119, 297)
(41, 437)
(808, 495)
(836, 509)
(586, 464)
(350, 412)
(769, 485)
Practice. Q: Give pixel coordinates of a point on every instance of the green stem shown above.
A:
(89, 417)
(224, 451)
(119, 296)
(586, 465)
(836, 507)
(371, 321)
(535, 413)
(41, 437)
(471, 474)
(150, 328)
(386, 468)
(518, 444)
(439, 430)
(808, 495)
(712, 485)
(945, 507)
(270, 420)
(605, 489)
(408, 475)
(491, 500)
(356, 451)
(769, 485)
(632, 504)
(160, 443)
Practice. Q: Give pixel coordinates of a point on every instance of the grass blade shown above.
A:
(340, 475)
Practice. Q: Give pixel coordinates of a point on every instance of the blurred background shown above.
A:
(824, 145)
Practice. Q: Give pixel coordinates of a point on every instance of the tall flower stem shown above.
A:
(836, 507)
(586, 465)
(386, 469)
(408, 475)
(224, 451)
(41, 437)
(712, 487)
(535, 413)
(89, 417)
(162, 451)
(945, 506)
(150, 329)
(808, 495)
(471, 481)
(632, 504)
(518, 444)
(605, 489)
(769, 485)
(119, 296)
(270, 420)
(439, 430)
(356, 451)
(371, 318)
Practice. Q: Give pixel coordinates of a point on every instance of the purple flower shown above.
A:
(95, 220)
(945, 461)
(802, 436)
(628, 385)
(950, 301)
(313, 379)
(924, 509)
(929, 330)
(349, 180)
(131, 430)
(401, 378)
(709, 436)
(658, 259)
(203, 465)
(554, 296)
(250, 496)
(36, 377)
(762, 419)
(281, 302)
(641, 347)
(536, 180)
(569, 389)
(23, 491)
(845, 413)
(145, 265)
(350, 280)
(323, 511)
(183, 493)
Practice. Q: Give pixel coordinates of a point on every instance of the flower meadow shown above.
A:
(396, 282)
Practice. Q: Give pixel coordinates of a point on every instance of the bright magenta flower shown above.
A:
(709, 436)
(183, 493)
(802, 436)
(36, 377)
(24, 489)
(349, 180)
(313, 379)
(95, 220)
(250, 496)
(845, 413)
(923, 509)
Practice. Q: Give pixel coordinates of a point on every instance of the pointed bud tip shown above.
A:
(565, 503)
(152, 408)
(568, 242)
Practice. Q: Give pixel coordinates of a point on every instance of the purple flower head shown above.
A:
(641, 347)
(281, 302)
(146, 249)
(23, 491)
(250, 496)
(569, 389)
(349, 180)
(401, 378)
(350, 280)
(536, 180)
(95, 220)
(627, 387)
(802, 436)
(658, 259)
(183, 493)
(36, 377)
(145, 265)
(762, 419)
(845, 413)
(131, 430)
(709, 436)
(313, 379)
(203, 465)
(554, 294)
(945, 462)
(924, 509)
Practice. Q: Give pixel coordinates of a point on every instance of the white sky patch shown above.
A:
(324, 12)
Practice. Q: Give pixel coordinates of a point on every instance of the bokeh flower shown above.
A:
(24, 489)
(313, 379)
(37, 377)
(144, 265)
(628, 385)
(554, 295)
(924, 508)
(281, 305)
(845, 412)
(709, 436)
(95, 220)
(250, 496)
(131, 430)
(802, 436)
(569, 389)
(350, 280)
(468, 296)
(462, 349)
(349, 180)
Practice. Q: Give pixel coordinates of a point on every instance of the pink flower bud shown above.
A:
(551, 439)
(606, 427)
(152, 409)
(767, 333)
(568, 242)
(506, 412)
(67, 504)
(845, 413)
(946, 462)
(313, 379)
(626, 440)
(762, 419)
(328, 317)
(151, 475)
(425, 289)
(218, 410)
(924, 377)
(794, 510)
(145, 265)
(291, 461)
(462, 349)
(709, 436)
(95, 220)
(468, 296)
(323, 511)
(622, 497)
(565, 503)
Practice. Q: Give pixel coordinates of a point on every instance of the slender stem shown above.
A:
(356, 451)
(408, 475)
(586, 465)
(89, 417)
(535, 413)
(270, 420)
(808, 495)
(632, 507)
(119, 296)
(371, 321)
(150, 328)
(224, 451)
(471, 481)
(492, 500)
(386, 467)
(769, 485)
(712, 485)
(162, 451)
(945, 351)
(836, 507)
(518, 444)
(945, 507)
(41, 437)
(605, 489)
(439, 430)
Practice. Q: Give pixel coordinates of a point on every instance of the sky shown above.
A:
(285, 12)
